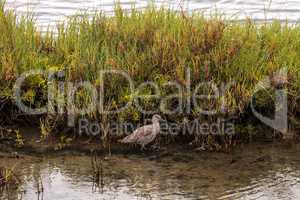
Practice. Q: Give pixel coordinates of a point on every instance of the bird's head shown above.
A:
(156, 118)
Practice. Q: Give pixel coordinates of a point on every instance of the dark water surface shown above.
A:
(49, 12)
(251, 172)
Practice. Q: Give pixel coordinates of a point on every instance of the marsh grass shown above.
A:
(8, 178)
(155, 44)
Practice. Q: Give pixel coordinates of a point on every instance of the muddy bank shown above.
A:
(30, 143)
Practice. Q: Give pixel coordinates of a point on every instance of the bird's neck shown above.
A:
(156, 125)
(155, 122)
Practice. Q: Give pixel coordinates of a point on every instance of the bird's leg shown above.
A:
(143, 148)
(156, 145)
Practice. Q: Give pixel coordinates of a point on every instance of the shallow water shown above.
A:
(49, 12)
(252, 172)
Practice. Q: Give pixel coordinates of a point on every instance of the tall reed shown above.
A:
(155, 44)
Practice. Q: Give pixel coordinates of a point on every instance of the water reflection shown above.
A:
(48, 13)
(255, 173)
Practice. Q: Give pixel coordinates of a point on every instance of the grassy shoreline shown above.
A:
(151, 45)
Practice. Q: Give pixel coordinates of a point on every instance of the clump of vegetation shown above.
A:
(19, 139)
(11, 136)
(98, 175)
(7, 178)
(150, 45)
(63, 142)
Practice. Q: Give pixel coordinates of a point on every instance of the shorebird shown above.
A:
(145, 134)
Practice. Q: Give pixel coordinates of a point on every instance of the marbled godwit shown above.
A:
(145, 134)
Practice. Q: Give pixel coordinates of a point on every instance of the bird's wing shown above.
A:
(146, 136)
(138, 133)
(129, 139)
(144, 131)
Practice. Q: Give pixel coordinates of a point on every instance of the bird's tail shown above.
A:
(121, 141)
(125, 140)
